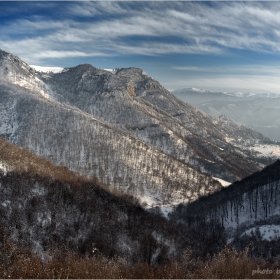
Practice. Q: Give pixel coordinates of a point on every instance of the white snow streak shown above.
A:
(223, 182)
(47, 69)
(267, 232)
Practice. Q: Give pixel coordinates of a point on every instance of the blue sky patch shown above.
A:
(225, 46)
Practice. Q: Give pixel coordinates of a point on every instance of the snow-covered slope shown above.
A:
(131, 100)
(4, 167)
(242, 204)
(16, 72)
(266, 232)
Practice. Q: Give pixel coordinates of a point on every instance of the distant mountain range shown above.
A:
(258, 111)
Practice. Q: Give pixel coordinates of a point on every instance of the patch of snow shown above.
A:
(38, 190)
(223, 182)
(4, 167)
(6, 203)
(166, 209)
(267, 150)
(229, 140)
(267, 232)
(113, 71)
(251, 94)
(150, 201)
(197, 90)
(48, 93)
(229, 240)
(47, 69)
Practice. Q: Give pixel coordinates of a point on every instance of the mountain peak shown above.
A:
(15, 59)
(197, 89)
(131, 71)
(12, 63)
(2, 52)
(4, 56)
(138, 81)
(85, 66)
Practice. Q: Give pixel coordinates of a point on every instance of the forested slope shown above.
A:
(255, 198)
(46, 207)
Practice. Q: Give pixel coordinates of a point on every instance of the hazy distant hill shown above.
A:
(258, 111)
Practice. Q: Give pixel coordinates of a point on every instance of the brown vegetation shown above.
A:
(23, 161)
(226, 264)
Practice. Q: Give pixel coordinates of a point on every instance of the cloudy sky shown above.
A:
(227, 46)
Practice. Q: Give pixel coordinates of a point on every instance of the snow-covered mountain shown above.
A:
(258, 111)
(131, 100)
(35, 119)
(124, 128)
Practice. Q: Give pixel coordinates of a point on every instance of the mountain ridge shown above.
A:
(124, 128)
(102, 104)
(46, 127)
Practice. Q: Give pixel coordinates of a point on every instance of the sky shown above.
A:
(219, 46)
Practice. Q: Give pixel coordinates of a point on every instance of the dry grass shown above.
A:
(227, 264)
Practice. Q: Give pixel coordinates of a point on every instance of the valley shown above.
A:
(102, 160)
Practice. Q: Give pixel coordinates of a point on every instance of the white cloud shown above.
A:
(90, 9)
(159, 27)
(264, 70)
(187, 68)
(256, 78)
(254, 82)
(60, 54)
